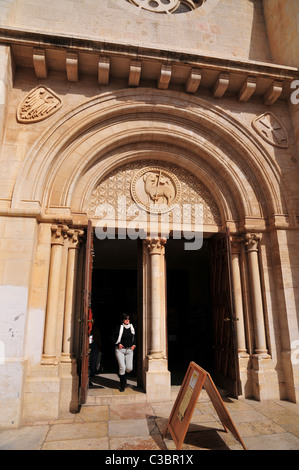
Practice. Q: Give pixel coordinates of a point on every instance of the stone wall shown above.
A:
(282, 22)
(17, 245)
(219, 28)
(6, 80)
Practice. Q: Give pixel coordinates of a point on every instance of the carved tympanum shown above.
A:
(138, 181)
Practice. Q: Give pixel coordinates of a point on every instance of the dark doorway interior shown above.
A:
(114, 291)
(189, 314)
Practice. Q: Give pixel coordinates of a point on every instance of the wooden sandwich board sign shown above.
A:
(183, 408)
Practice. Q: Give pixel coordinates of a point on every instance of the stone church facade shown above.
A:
(158, 139)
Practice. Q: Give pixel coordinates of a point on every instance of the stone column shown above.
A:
(251, 242)
(157, 375)
(57, 242)
(156, 250)
(238, 295)
(75, 236)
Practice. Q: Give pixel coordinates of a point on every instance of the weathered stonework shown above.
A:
(119, 184)
(39, 104)
(169, 6)
(271, 130)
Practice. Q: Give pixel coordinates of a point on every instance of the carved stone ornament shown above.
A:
(155, 189)
(271, 130)
(121, 181)
(167, 6)
(40, 103)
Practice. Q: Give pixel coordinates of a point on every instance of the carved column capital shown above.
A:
(59, 233)
(251, 241)
(156, 245)
(235, 244)
(75, 237)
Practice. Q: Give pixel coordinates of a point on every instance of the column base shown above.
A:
(41, 396)
(69, 385)
(290, 377)
(67, 358)
(265, 385)
(155, 355)
(261, 354)
(157, 380)
(245, 375)
(50, 392)
(49, 360)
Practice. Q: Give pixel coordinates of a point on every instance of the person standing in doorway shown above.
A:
(125, 343)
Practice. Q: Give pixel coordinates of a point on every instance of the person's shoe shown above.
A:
(122, 379)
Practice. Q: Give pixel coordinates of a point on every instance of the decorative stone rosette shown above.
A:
(167, 6)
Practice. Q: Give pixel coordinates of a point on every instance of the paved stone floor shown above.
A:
(126, 421)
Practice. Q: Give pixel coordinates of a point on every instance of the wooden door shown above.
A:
(86, 316)
(139, 353)
(226, 365)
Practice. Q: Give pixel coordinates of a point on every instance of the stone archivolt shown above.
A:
(78, 151)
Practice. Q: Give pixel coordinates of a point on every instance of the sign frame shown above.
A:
(195, 379)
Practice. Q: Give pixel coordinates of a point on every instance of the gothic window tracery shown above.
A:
(168, 6)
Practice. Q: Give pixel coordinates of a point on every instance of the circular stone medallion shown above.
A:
(155, 189)
(168, 6)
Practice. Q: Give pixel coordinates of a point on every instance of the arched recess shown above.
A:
(66, 164)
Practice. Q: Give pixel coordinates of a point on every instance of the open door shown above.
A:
(86, 316)
(226, 365)
(140, 297)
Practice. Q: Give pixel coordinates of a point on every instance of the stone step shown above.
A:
(132, 394)
(114, 398)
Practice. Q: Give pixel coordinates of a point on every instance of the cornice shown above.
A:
(243, 78)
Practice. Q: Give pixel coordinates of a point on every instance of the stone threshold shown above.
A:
(105, 391)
